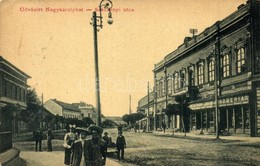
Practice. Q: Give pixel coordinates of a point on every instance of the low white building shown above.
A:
(63, 109)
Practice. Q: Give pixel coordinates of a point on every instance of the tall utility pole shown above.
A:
(41, 123)
(216, 51)
(155, 102)
(148, 109)
(96, 70)
(130, 110)
(166, 92)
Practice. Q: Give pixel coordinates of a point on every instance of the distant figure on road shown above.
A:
(38, 139)
(94, 146)
(107, 142)
(164, 126)
(119, 128)
(69, 140)
(135, 127)
(49, 138)
(120, 145)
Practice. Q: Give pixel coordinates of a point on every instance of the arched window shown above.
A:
(176, 81)
(241, 60)
(226, 65)
(170, 83)
(211, 70)
(182, 79)
(191, 78)
(201, 74)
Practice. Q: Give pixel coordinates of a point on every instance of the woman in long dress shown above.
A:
(69, 140)
(78, 158)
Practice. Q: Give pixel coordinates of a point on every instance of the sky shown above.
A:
(57, 49)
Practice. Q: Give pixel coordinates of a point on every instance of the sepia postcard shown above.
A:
(129, 82)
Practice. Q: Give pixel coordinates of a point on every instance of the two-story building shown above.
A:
(13, 89)
(214, 77)
(59, 108)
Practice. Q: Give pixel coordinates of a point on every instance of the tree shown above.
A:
(126, 118)
(132, 118)
(33, 110)
(88, 120)
(109, 123)
(171, 110)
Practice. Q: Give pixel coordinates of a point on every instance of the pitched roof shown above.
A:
(66, 105)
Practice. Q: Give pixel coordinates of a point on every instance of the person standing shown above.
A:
(164, 126)
(38, 140)
(120, 145)
(69, 139)
(120, 128)
(107, 142)
(78, 158)
(93, 147)
(49, 138)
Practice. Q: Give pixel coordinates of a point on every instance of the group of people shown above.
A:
(38, 137)
(83, 151)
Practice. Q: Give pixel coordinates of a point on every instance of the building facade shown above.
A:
(13, 89)
(212, 81)
(87, 110)
(66, 110)
(148, 110)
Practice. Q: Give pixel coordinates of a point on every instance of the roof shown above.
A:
(14, 67)
(83, 105)
(67, 106)
(192, 41)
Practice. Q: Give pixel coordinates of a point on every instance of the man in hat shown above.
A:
(69, 139)
(107, 142)
(38, 139)
(93, 147)
(49, 138)
(120, 145)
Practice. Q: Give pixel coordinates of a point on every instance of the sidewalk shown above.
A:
(111, 162)
(169, 132)
(44, 158)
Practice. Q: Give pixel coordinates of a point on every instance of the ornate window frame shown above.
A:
(201, 72)
(240, 61)
(226, 61)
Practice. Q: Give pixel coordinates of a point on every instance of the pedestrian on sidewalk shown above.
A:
(38, 139)
(69, 140)
(164, 126)
(49, 138)
(78, 158)
(120, 145)
(107, 142)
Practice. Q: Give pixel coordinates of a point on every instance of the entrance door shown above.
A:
(222, 120)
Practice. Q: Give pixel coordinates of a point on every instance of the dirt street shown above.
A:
(150, 149)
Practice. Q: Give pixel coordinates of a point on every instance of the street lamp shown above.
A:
(97, 22)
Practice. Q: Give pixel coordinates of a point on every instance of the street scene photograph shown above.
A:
(129, 83)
